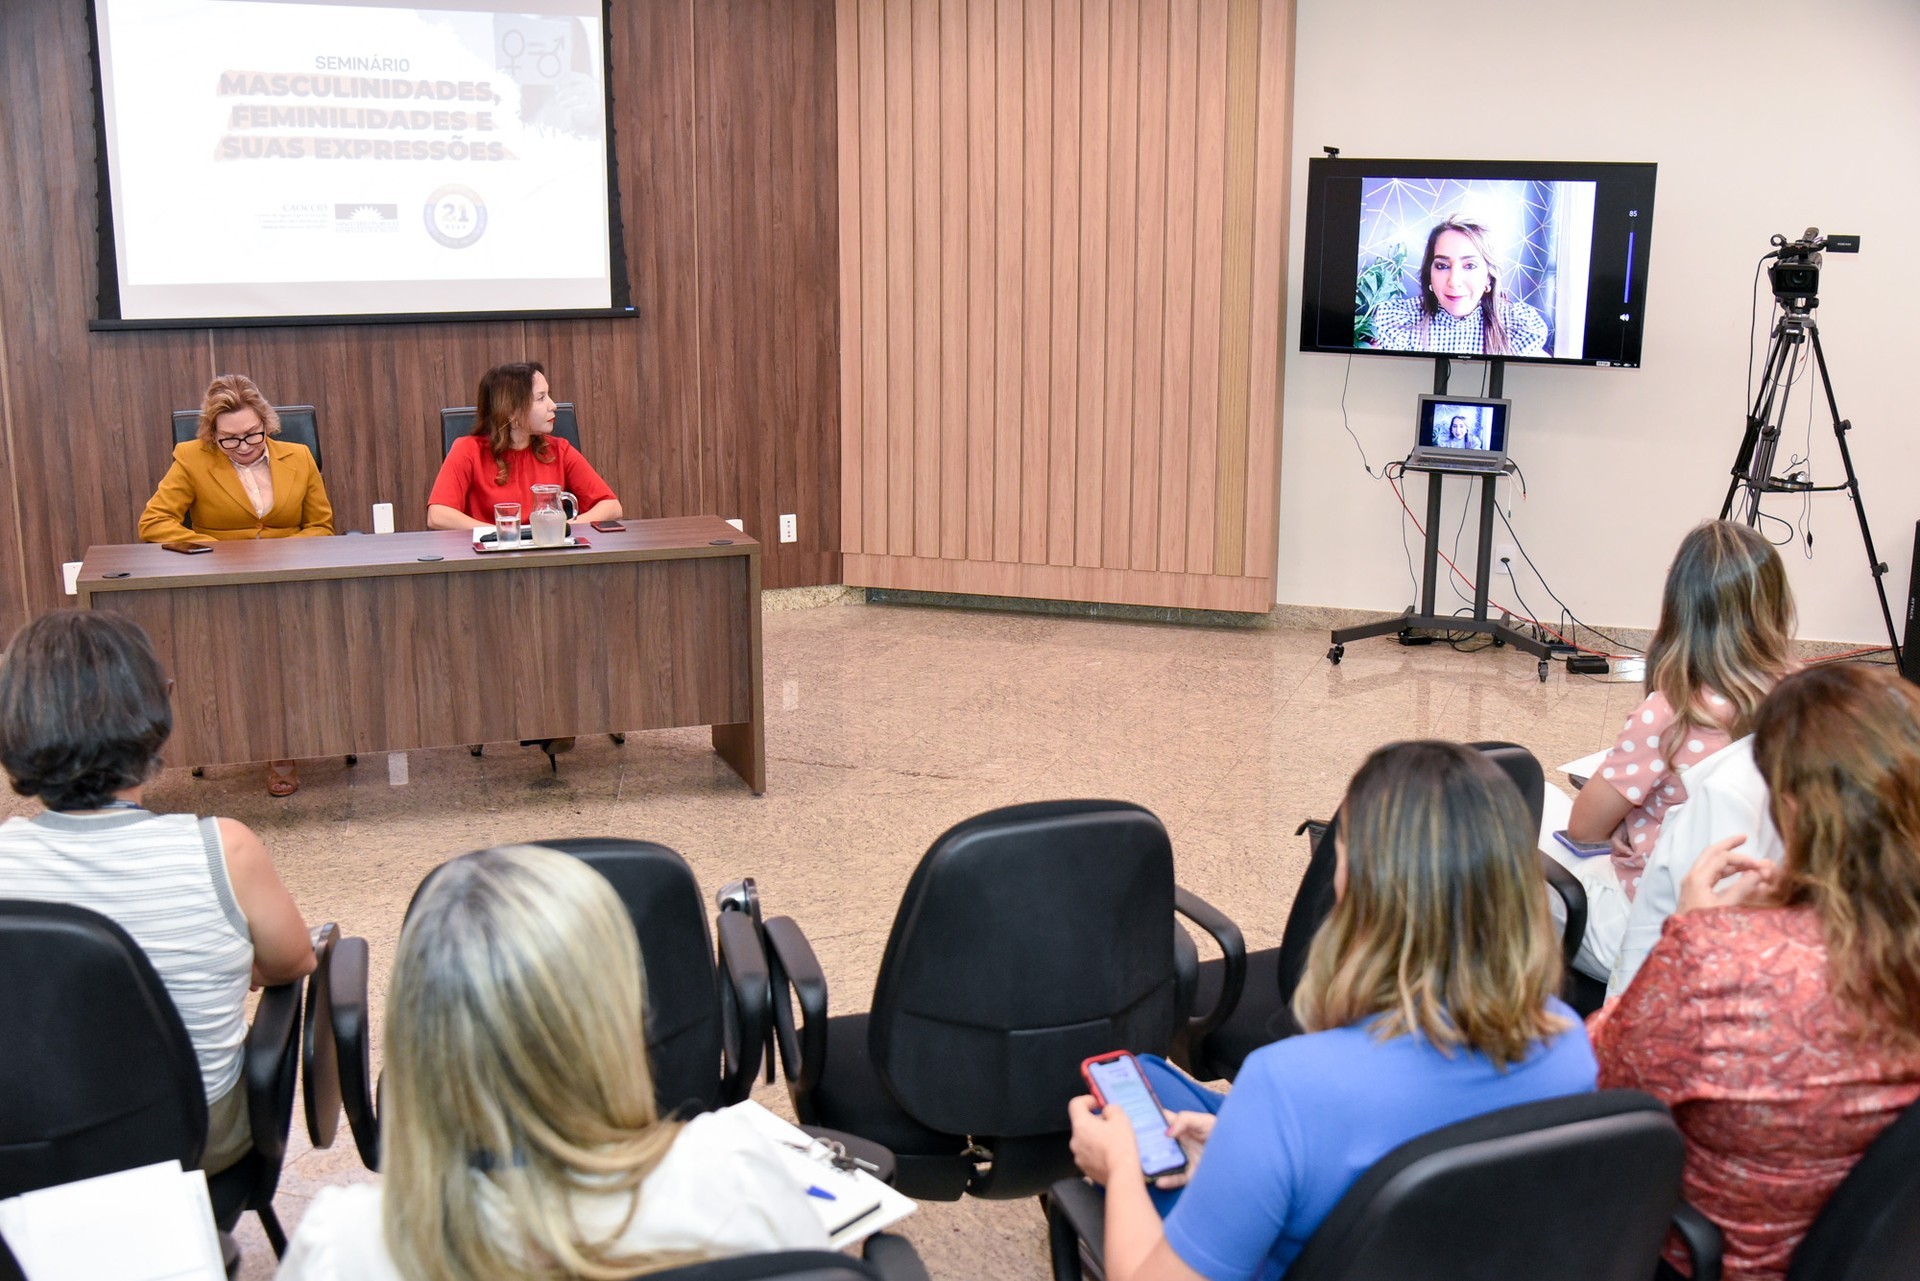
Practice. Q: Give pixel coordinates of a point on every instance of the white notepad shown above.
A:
(856, 1204)
(154, 1223)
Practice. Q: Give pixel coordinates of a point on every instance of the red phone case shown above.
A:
(1093, 1087)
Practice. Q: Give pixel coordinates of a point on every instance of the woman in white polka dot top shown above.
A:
(1725, 637)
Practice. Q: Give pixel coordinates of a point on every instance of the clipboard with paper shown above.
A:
(852, 1204)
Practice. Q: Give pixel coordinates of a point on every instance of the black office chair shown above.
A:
(319, 1053)
(1580, 1188)
(456, 422)
(887, 1258)
(80, 1005)
(1264, 1013)
(707, 1012)
(298, 425)
(1870, 1228)
(1028, 939)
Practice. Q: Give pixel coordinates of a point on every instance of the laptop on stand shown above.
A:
(1460, 434)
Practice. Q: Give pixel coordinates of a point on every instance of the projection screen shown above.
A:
(280, 160)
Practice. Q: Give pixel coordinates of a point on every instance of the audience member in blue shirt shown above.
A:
(1427, 999)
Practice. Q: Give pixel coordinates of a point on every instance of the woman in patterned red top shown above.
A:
(1725, 636)
(511, 450)
(1782, 1026)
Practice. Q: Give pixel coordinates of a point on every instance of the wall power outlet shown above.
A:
(789, 529)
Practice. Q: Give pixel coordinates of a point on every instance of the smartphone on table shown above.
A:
(1117, 1081)
(1584, 849)
(188, 549)
(607, 526)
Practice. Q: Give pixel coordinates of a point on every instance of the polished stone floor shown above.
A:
(885, 725)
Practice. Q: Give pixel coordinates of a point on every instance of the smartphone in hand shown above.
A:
(1117, 1081)
(1583, 849)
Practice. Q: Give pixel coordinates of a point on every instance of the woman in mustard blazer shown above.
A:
(233, 480)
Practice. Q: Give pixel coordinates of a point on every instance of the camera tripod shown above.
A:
(1753, 468)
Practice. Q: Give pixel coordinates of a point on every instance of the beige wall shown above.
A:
(1763, 116)
(1062, 260)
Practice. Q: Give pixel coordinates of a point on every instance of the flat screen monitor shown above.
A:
(1527, 260)
(280, 161)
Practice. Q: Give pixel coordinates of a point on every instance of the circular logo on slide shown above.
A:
(456, 216)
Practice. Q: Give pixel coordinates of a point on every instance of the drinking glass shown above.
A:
(506, 523)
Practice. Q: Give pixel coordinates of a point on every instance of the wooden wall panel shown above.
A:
(1062, 492)
(953, 248)
(1088, 379)
(1149, 286)
(1091, 355)
(723, 396)
(983, 268)
(766, 235)
(1122, 155)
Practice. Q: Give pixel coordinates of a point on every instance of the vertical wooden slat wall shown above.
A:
(1063, 236)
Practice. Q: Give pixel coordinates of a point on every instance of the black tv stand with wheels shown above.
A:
(1425, 619)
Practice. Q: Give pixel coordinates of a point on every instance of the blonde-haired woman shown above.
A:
(520, 1135)
(1427, 999)
(1784, 1029)
(233, 480)
(1725, 638)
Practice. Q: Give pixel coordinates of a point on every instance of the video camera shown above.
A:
(1796, 276)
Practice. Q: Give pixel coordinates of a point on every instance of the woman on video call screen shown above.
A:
(1483, 267)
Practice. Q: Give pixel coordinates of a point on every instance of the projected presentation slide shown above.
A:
(290, 158)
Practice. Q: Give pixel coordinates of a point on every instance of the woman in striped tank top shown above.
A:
(84, 710)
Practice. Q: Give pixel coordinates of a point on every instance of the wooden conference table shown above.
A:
(295, 648)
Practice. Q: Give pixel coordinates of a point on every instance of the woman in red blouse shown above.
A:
(1779, 1015)
(511, 450)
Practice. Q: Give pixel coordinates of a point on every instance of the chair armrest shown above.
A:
(319, 1059)
(1573, 896)
(1076, 1218)
(878, 1159)
(1233, 951)
(347, 985)
(271, 1060)
(893, 1258)
(803, 1049)
(746, 1000)
(1702, 1240)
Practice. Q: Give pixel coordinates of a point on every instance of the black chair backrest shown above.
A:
(1028, 939)
(1523, 767)
(676, 951)
(1579, 1188)
(80, 1005)
(319, 1051)
(298, 424)
(1313, 901)
(1870, 1228)
(457, 421)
